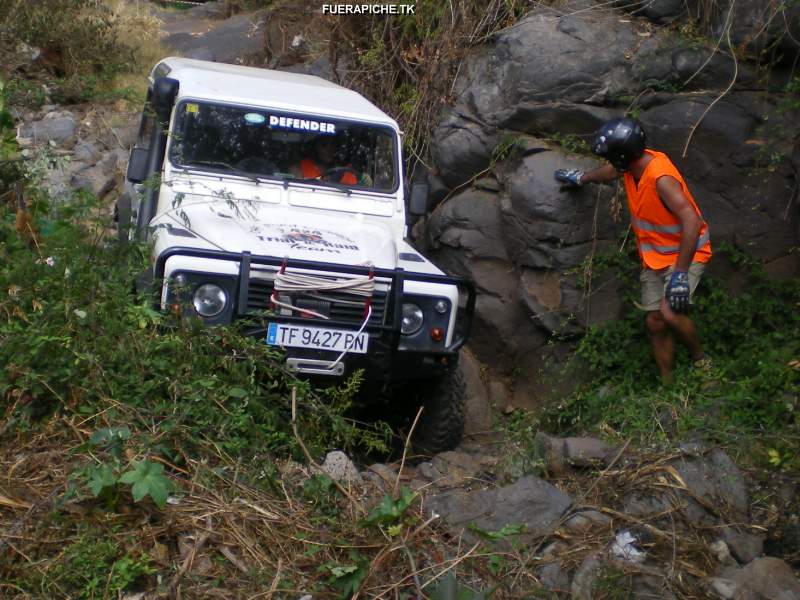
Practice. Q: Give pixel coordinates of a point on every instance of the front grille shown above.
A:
(340, 306)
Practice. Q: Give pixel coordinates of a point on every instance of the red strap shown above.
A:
(368, 301)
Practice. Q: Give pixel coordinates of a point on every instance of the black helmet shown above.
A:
(620, 142)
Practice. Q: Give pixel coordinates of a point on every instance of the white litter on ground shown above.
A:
(623, 548)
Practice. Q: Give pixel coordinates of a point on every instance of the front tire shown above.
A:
(441, 424)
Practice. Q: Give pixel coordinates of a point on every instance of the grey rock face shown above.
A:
(554, 578)
(586, 521)
(722, 587)
(716, 479)
(531, 501)
(586, 452)
(554, 77)
(229, 41)
(661, 11)
(759, 24)
(86, 152)
(98, 179)
(338, 466)
(463, 147)
(470, 223)
(560, 453)
(584, 578)
(744, 546)
(320, 67)
(712, 481)
(763, 579)
(210, 10)
(477, 413)
(62, 131)
(647, 587)
(552, 58)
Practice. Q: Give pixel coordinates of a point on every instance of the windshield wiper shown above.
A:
(231, 168)
(312, 182)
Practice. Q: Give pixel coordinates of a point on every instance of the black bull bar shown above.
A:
(396, 277)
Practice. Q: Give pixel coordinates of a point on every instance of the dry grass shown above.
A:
(107, 46)
(138, 29)
(228, 534)
(224, 536)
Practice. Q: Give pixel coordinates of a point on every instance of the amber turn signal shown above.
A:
(437, 334)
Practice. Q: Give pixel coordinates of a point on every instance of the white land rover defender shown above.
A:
(279, 197)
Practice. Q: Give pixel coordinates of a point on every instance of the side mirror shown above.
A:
(165, 90)
(418, 203)
(137, 165)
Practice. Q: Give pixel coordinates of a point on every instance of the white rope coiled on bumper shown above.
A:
(362, 286)
(300, 282)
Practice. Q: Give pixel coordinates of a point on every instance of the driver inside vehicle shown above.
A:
(324, 164)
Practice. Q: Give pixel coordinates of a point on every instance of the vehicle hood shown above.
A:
(269, 230)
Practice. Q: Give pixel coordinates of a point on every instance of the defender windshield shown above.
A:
(280, 145)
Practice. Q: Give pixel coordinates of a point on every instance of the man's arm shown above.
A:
(671, 194)
(574, 178)
(601, 174)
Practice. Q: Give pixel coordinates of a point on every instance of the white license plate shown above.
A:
(319, 338)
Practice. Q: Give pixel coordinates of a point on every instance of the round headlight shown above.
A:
(209, 300)
(441, 306)
(412, 319)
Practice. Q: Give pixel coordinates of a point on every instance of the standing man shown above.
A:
(671, 235)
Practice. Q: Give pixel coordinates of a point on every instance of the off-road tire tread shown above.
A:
(441, 425)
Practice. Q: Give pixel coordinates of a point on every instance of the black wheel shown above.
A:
(442, 422)
(122, 216)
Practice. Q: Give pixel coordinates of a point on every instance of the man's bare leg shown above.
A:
(684, 327)
(663, 343)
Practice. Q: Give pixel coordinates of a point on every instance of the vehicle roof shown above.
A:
(268, 88)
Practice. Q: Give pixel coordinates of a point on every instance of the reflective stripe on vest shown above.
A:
(701, 241)
(648, 226)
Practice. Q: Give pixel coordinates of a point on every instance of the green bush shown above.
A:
(93, 566)
(80, 32)
(91, 46)
(753, 338)
(74, 339)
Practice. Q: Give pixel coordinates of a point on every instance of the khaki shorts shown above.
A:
(654, 284)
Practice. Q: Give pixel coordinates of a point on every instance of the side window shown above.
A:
(146, 124)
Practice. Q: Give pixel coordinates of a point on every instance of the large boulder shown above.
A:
(463, 147)
(545, 227)
(548, 57)
(543, 87)
(722, 165)
(760, 26)
(531, 502)
(708, 485)
(58, 129)
(763, 579)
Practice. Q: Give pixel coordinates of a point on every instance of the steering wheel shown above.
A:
(335, 174)
(257, 165)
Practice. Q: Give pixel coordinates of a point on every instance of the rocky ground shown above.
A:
(596, 521)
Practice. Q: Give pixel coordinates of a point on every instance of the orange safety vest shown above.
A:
(310, 170)
(658, 231)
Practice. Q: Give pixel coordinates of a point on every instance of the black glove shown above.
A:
(677, 293)
(571, 178)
